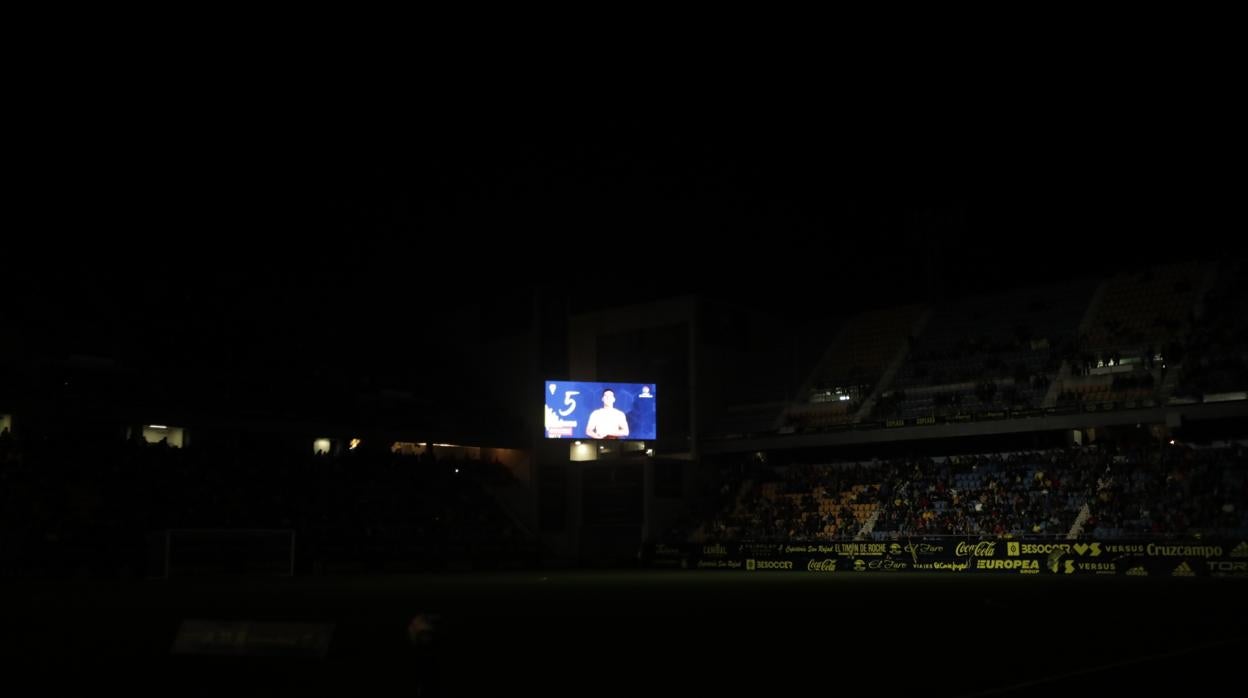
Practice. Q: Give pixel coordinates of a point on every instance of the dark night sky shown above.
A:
(256, 247)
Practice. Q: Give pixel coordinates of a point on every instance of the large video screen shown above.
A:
(589, 410)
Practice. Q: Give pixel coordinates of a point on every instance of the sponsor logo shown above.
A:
(981, 549)
(824, 565)
(1068, 566)
(752, 564)
(842, 549)
(852, 549)
(714, 551)
(887, 564)
(1014, 549)
(1094, 549)
(719, 564)
(1023, 565)
(861, 565)
(1227, 566)
(951, 566)
(1093, 567)
(1155, 550)
(1137, 571)
(1240, 550)
(1045, 548)
(1183, 570)
(894, 548)
(1128, 549)
(923, 548)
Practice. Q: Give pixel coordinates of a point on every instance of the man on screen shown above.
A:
(606, 422)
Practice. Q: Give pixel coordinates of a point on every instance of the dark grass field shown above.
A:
(647, 633)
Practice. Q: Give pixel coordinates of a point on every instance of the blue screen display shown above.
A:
(591, 410)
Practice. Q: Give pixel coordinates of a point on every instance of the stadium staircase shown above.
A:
(886, 380)
(868, 525)
(1076, 528)
(699, 534)
(1085, 326)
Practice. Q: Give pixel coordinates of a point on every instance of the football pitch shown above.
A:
(652, 632)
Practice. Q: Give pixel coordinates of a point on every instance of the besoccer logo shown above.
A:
(1011, 548)
(749, 563)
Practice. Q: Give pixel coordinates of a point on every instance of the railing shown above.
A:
(958, 418)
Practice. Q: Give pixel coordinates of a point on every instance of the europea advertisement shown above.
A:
(1133, 558)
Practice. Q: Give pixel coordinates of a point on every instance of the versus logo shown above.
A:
(1055, 564)
(1068, 566)
(1082, 548)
